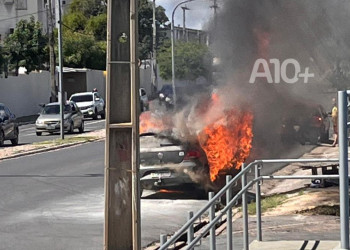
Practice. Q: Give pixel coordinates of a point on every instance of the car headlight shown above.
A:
(39, 122)
(161, 95)
(167, 99)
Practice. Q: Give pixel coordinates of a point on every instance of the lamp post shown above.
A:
(172, 51)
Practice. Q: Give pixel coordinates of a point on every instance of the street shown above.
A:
(55, 200)
(27, 132)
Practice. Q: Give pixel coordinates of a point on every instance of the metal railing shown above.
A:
(343, 177)
(192, 240)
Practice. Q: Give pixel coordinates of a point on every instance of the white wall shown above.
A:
(23, 94)
(96, 79)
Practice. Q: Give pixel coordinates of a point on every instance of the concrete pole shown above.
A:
(122, 195)
(343, 169)
(49, 16)
(60, 61)
(184, 33)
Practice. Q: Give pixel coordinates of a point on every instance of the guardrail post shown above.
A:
(343, 169)
(258, 203)
(245, 211)
(190, 231)
(211, 217)
(163, 239)
(229, 215)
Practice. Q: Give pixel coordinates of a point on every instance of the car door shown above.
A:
(78, 115)
(74, 115)
(9, 123)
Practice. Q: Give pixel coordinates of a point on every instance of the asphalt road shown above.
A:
(55, 200)
(27, 133)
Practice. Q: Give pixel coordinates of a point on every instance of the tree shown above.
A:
(145, 16)
(90, 17)
(26, 47)
(82, 51)
(191, 60)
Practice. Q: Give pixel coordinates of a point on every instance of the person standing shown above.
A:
(335, 122)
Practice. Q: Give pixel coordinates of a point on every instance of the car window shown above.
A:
(143, 92)
(81, 98)
(51, 110)
(2, 111)
(7, 111)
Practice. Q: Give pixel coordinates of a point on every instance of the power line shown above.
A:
(9, 18)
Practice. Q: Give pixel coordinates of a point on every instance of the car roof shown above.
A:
(82, 93)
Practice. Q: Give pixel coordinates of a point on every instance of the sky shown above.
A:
(196, 18)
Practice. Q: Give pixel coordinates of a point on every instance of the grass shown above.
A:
(69, 140)
(268, 203)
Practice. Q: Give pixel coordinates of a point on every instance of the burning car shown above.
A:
(168, 163)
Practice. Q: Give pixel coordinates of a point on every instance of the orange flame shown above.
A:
(152, 123)
(227, 142)
(170, 191)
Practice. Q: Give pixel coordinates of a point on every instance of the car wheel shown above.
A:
(38, 133)
(103, 114)
(81, 128)
(71, 128)
(14, 141)
(2, 138)
(95, 115)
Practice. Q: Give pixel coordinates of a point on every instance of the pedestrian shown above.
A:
(94, 90)
(334, 114)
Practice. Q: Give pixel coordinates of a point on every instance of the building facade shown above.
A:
(12, 11)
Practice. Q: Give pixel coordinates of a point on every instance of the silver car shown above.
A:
(168, 163)
(49, 118)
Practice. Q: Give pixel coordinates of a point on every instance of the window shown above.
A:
(81, 98)
(21, 4)
(7, 111)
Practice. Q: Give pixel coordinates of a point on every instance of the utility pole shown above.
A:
(60, 61)
(184, 33)
(122, 229)
(154, 52)
(215, 6)
(49, 17)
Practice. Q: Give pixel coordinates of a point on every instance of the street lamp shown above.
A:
(172, 51)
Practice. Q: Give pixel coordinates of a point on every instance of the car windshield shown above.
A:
(55, 109)
(81, 98)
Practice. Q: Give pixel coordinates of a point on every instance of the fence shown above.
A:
(231, 201)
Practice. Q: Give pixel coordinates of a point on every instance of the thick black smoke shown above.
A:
(313, 32)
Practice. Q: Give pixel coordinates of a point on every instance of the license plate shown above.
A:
(160, 175)
(50, 127)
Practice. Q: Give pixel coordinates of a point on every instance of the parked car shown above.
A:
(168, 163)
(306, 123)
(49, 118)
(8, 126)
(143, 99)
(91, 104)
